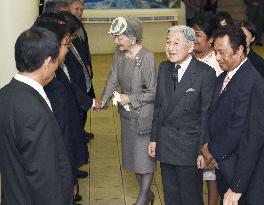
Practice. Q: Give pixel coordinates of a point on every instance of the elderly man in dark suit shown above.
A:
(227, 121)
(184, 93)
(34, 164)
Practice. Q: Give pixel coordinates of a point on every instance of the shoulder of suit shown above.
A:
(255, 59)
(165, 63)
(21, 96)
(247, 74)
(249, 69)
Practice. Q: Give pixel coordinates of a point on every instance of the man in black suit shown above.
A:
(255, 59)
(184, 93)
(227, 121)
(63, 99)
(82, 44)
(34, 164)
(250, 164)
(82, 47)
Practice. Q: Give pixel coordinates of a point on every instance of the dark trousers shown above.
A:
(223, 186)
(182, 185)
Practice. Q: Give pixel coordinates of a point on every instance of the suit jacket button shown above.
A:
(177, 128)
(163, 125)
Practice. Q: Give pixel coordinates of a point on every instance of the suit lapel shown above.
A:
(169, 82)
(184, 84)
(219, 97)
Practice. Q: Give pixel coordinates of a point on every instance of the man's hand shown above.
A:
(124, 99)
(209, 159)
(98, 104)
(152, 149)
(200, 162)
(231, 198)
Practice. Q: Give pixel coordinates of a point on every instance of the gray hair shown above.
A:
(53, 6)
(187, 31)
(134, 28)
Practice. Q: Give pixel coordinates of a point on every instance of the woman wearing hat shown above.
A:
(134, 70)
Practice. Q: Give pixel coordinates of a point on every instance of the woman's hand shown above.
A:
(103, 104)
(124, 99)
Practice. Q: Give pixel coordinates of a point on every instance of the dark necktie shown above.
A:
(175, 76)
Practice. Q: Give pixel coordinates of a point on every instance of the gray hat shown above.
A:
(129, 26)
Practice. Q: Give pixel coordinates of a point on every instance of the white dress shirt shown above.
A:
(233, 72)
(184, 65)
(65, 70)
(35, 85)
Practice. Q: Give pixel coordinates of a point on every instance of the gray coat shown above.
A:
(138, 82)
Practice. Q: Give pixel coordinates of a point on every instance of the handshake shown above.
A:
(99, 104)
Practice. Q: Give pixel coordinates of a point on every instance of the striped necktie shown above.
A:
(175, 76)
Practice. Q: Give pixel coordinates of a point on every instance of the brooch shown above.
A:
(138, 62)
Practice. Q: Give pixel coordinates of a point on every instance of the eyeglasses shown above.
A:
(75, 35)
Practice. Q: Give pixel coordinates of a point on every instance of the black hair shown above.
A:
(33, 46)
(249, 26)
(223, 15)
(53, 22)
(206, 23)
(53, 6)
(235, 34)
(72, 22)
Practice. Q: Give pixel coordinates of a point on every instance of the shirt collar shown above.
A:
(185, 63)
(233, 72)
(32, 83)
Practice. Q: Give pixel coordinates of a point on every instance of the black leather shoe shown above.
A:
(82, 174)
(88, 136)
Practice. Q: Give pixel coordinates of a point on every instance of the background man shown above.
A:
(82, 47)
(250, 32)
(250, 164)
(254, 11)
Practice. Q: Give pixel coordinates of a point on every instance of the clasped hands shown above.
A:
(205, 160)
(101, 104)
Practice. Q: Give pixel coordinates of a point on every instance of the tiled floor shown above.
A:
(108, 183)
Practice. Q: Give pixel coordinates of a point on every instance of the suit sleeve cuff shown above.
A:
(134, 101)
